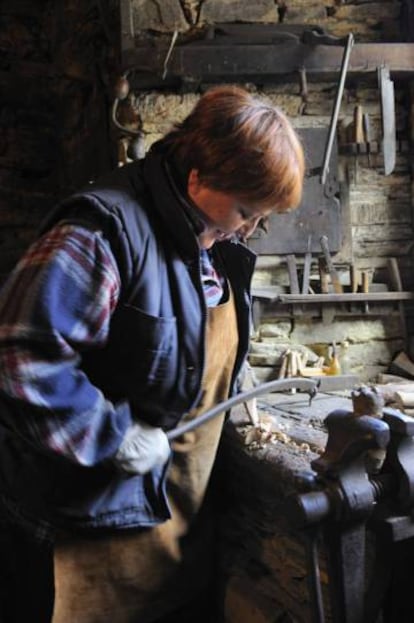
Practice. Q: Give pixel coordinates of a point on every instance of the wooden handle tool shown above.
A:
(337, 286)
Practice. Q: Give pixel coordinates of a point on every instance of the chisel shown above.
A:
(337, 286)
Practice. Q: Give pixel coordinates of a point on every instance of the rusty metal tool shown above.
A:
(306, 385)
(389, 139)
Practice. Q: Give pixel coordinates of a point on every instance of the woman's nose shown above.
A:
(248, 228)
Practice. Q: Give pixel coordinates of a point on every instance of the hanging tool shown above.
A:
(306, 267)
(335, 112)
(338, 289)
(169, 52)
(389, 140)
(365, 287)
(293, 274)
(293, 280)
(366, 122)
(353, 278)
(306, 385)
(323, 275)
(358, 138)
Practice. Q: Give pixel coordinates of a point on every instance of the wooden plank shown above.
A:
(266, 293)
(219, 60)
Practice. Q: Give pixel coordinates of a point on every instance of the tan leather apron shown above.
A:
(140, 576)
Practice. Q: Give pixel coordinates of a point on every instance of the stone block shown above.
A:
(290, 103)
(370, 14)
(354, 331)
(276, 330)
(263, 11)
(309, 14)
(160, 16)
(305, 5)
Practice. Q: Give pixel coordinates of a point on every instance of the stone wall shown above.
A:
(56, 59)
(378, 208)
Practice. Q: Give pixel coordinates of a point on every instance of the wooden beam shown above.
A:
(375, 297)
(206, 62)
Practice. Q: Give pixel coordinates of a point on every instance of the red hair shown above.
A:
(243, 146)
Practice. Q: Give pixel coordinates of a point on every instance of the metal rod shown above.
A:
(307, 385)
(335, 113)
(314, 577)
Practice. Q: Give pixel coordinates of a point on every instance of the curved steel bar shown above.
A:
(306, 385)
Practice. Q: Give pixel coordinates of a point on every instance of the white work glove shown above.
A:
(143, 448)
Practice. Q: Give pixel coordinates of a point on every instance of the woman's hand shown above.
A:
(143, 448)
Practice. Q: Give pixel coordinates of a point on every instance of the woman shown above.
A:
(129, 315)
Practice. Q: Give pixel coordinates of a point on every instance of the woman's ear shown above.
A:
(193, 183)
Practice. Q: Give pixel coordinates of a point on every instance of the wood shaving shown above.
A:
(257, 437)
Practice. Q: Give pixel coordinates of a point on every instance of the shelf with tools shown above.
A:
(328, 297)
(268, 302)
(328, 307)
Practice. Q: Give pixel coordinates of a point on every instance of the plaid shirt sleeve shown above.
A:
(57, 302)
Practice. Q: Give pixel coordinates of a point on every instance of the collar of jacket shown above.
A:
(172, 208)
(169, 203)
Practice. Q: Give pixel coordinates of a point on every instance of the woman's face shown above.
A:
(224, 215)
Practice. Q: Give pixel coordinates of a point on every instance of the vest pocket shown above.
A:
(147, 344)
(139, 358)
